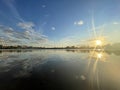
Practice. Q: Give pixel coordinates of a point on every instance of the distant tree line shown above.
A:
(19, 47)
(115, 46)
(107, 47)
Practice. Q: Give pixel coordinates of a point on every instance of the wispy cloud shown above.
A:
(28, 34)
(10, 36)
(11, 5)
(79, 23)
(26, 25)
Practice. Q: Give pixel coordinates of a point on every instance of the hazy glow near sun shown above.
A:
(98, 42)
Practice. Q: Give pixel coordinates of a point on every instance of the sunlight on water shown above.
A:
(99, 55)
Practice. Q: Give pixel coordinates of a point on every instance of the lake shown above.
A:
(59, 69)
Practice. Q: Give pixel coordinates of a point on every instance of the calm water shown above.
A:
(59, 70)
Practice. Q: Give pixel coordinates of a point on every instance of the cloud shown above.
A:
(53, 28)
(116, 23)
(79, 23)
(12, 37)
(27, 35)
(43, 6)
(11, 5)
(30, 32)
(26, 25)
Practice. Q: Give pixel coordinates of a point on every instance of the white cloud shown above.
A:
(79, 23)
(116, 23)
(53, 28)
(26, 25)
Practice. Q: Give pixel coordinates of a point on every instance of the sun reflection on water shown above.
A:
(96, 57)
(99, 55)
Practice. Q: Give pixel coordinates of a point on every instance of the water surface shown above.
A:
(59, 70)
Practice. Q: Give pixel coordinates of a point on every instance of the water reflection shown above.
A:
(115, 52)
(59, 70)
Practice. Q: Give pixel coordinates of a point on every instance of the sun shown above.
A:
(98, 42)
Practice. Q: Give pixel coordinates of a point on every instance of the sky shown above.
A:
(57, 22)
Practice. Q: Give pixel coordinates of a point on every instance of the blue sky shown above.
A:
(64, 22)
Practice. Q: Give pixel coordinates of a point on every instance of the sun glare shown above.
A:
(98, 42)
(99, 55)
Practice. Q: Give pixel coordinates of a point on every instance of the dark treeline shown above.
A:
(19, 47)
(115, 46)
(31, 47)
